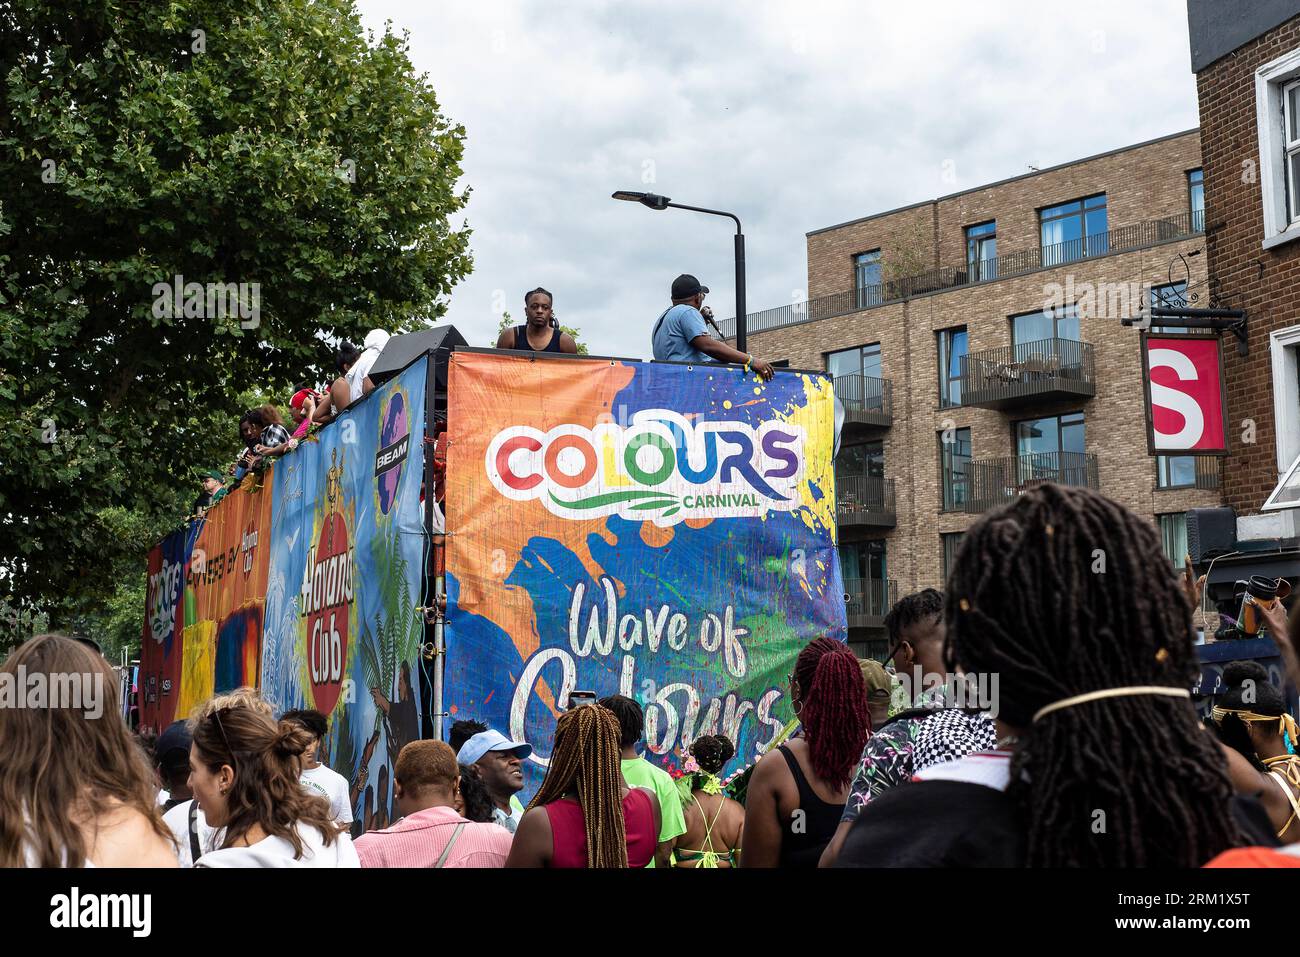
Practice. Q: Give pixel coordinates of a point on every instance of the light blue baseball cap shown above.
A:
(486, 741)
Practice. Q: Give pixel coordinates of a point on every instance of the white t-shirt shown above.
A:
(178, 820)
(376, 339)
(329, 784)
(277, 852)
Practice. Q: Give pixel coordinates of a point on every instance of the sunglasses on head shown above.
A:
(216, 716)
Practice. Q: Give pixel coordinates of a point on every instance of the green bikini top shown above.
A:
(708, 857)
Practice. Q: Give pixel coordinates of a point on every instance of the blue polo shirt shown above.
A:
(672, 338)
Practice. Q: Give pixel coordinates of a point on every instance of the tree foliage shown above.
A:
(266, 142)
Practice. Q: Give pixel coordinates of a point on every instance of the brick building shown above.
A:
(1247, 63)
(976, 343)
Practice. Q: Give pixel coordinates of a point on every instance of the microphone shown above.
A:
(707, 313)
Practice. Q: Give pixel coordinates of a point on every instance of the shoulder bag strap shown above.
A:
(442, 858)
(659, 322)
(195, 853)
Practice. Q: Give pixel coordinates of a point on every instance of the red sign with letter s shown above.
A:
(1186, 410)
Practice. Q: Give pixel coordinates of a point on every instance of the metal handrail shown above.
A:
(1120, 239)
(1000, 480)
(861, 393)
(864, 493)
(1022, 364)
(869, 596)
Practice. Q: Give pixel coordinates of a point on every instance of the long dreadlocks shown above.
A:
(1065, 592)
(587, 758)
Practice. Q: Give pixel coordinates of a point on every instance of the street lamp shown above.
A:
(655, 201)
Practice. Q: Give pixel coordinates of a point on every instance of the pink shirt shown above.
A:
(418, 839)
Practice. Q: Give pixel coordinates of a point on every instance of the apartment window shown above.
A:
(952, 349)
(950, 542)
(1277, 106)
(866, 278)
(954, 462)
(982, 251)
(1173, 537)
(856, 373)
(1062, 323)
(1284, 347)
(1196, 198)
(864, 561)
(1051, 449)
(1175, 471)
(1074, 230)
(1291, 145)
(1057, 434)
(864, 361)
(865, 458)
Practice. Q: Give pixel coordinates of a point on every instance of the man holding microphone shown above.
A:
(679, 334)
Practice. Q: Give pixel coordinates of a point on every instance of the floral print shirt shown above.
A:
(887, 758)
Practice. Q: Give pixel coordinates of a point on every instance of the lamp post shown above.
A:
(655, 201)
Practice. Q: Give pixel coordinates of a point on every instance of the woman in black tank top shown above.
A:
(802, 847)
(791, 823)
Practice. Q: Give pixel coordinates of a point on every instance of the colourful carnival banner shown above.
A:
(342, 632)
(662, 531)
(304, 583)
(204, 600)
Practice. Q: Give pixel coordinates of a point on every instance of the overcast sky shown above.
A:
(793, 115)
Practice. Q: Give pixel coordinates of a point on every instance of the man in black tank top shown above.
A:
(541, 333)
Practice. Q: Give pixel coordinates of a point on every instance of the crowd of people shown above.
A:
(1094, 755)
(1091, 754)
(267, 436)
(235, 786)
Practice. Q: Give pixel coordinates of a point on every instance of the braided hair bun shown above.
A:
(1249, 689)
(712, 752)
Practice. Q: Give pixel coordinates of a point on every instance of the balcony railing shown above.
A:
(865, 500)
(1042, 371)
(1121, 239)
(994, 482)
(866, 400)
(868, 600)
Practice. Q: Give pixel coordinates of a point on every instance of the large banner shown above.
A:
(305, 583)
(162, 645)
(347, 549)
(204, 600)
(662, 531)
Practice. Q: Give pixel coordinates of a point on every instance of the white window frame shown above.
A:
(1284, 346)
(1271, 504)
(1291, 147)
(1271, 82)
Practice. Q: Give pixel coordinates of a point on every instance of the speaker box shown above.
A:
(1210, 532)
(399, 352)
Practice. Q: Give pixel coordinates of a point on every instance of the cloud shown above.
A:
(794, 116)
